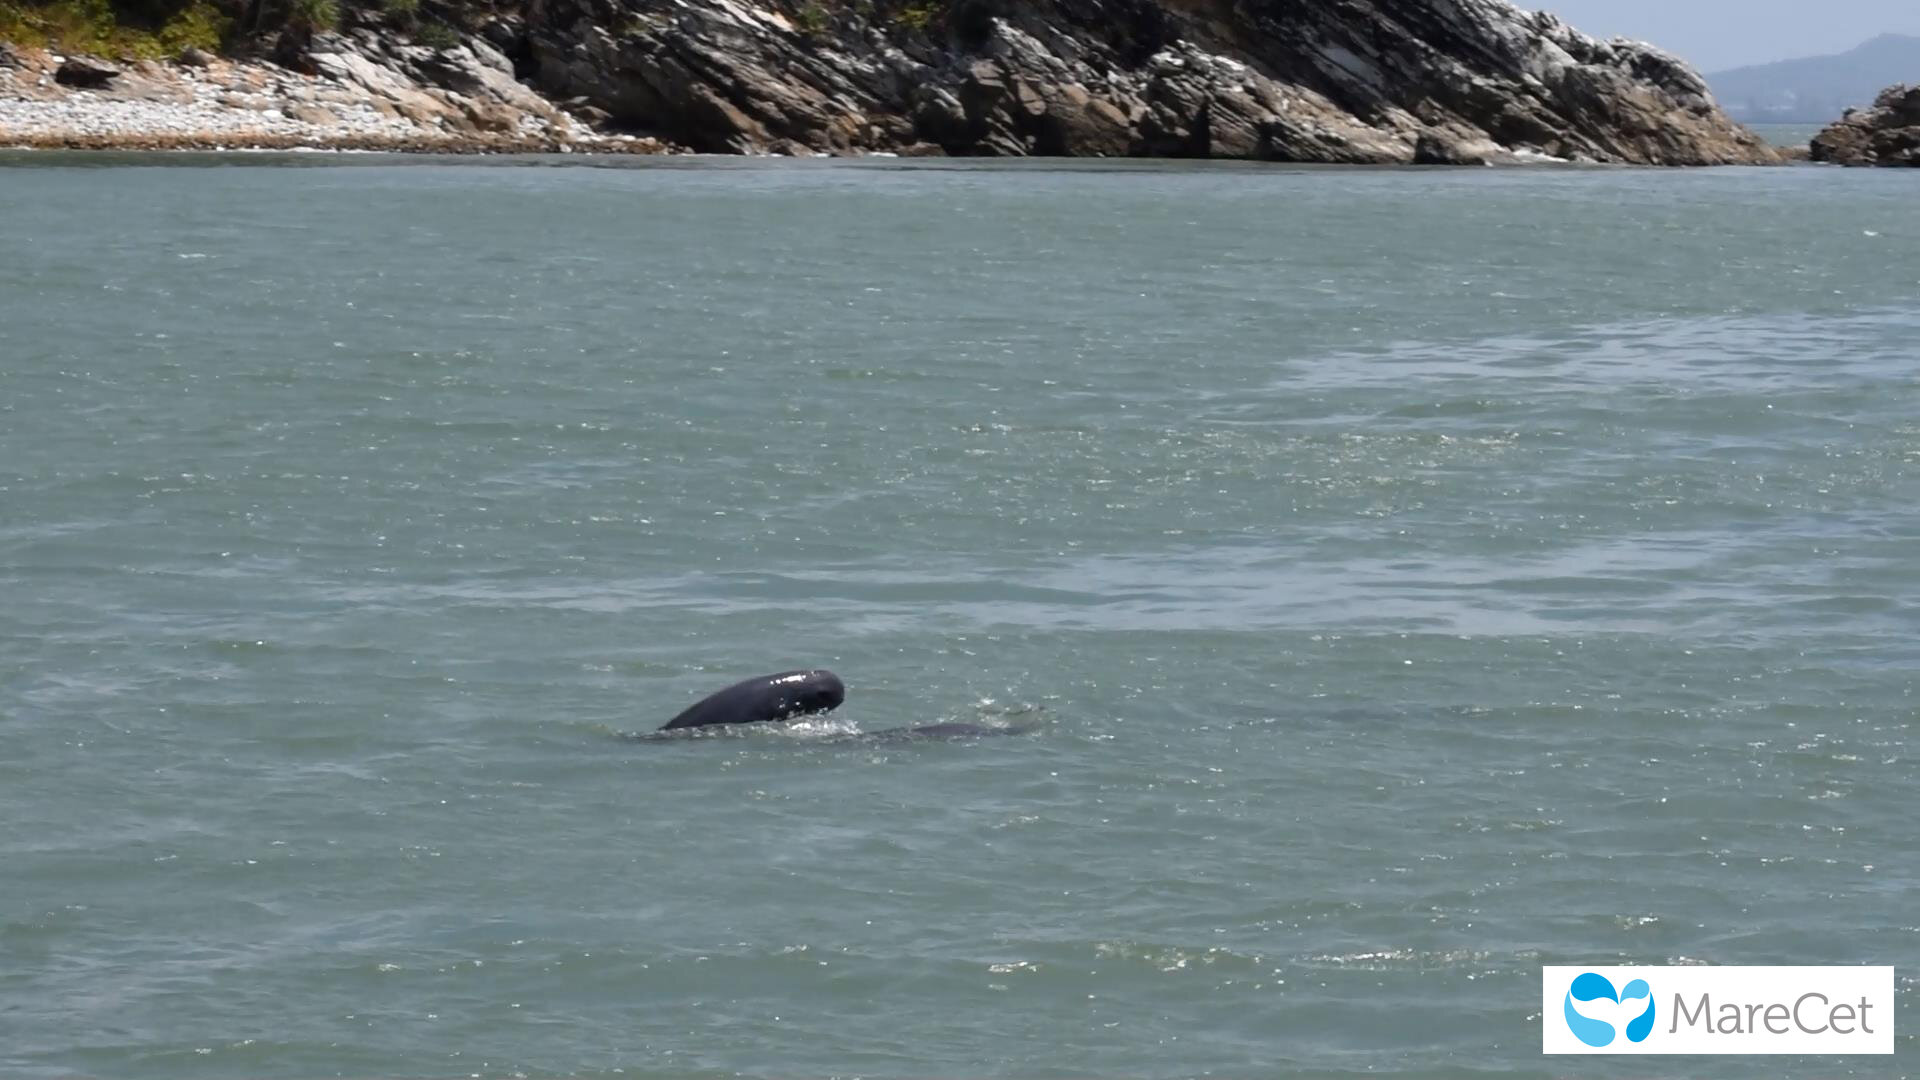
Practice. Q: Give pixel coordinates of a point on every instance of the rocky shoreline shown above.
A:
(1450, 82)
(346, 103)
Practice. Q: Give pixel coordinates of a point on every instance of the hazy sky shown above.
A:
(1719, 34)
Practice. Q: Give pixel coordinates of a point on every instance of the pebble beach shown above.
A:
(206, 103)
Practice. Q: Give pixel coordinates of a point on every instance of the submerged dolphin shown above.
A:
(945, 731)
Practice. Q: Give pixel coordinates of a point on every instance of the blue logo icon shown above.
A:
(1592, 987)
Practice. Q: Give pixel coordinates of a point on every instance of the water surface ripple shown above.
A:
(1418, 577)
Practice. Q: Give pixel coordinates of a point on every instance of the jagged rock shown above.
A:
(593, 116)
(83, 73)
(423, 110)
(1886, 134)
(1365, 81)
(1903, 102)
(1444, 148)
(490, 117)
(194, 56)
(317, 115)
(469, 86)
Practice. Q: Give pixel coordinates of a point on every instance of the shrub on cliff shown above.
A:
(144, 30)
(436, 35)
(313, 16)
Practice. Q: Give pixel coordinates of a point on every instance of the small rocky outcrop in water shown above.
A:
(1886, 134)
(1363, 81)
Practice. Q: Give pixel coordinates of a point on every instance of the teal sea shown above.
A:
(1798, 135)
(1415, 577)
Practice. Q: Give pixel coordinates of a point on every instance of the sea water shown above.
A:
(1412, 578)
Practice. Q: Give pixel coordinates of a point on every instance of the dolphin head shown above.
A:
(811, 692)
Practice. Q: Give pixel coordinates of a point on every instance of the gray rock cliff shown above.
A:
(1360, 81)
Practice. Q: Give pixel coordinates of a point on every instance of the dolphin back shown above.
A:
(766, 699)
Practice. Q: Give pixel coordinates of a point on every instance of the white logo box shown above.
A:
(1724, 1010)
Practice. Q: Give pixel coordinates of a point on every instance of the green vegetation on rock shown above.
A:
(147, 31)
(313, 16)
(919, 15)
(162, 29)
(436, 35)
(811, 18)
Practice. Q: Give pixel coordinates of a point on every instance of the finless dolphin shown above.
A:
(786, 695)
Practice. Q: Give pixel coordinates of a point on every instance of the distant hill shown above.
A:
(1817, 89)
